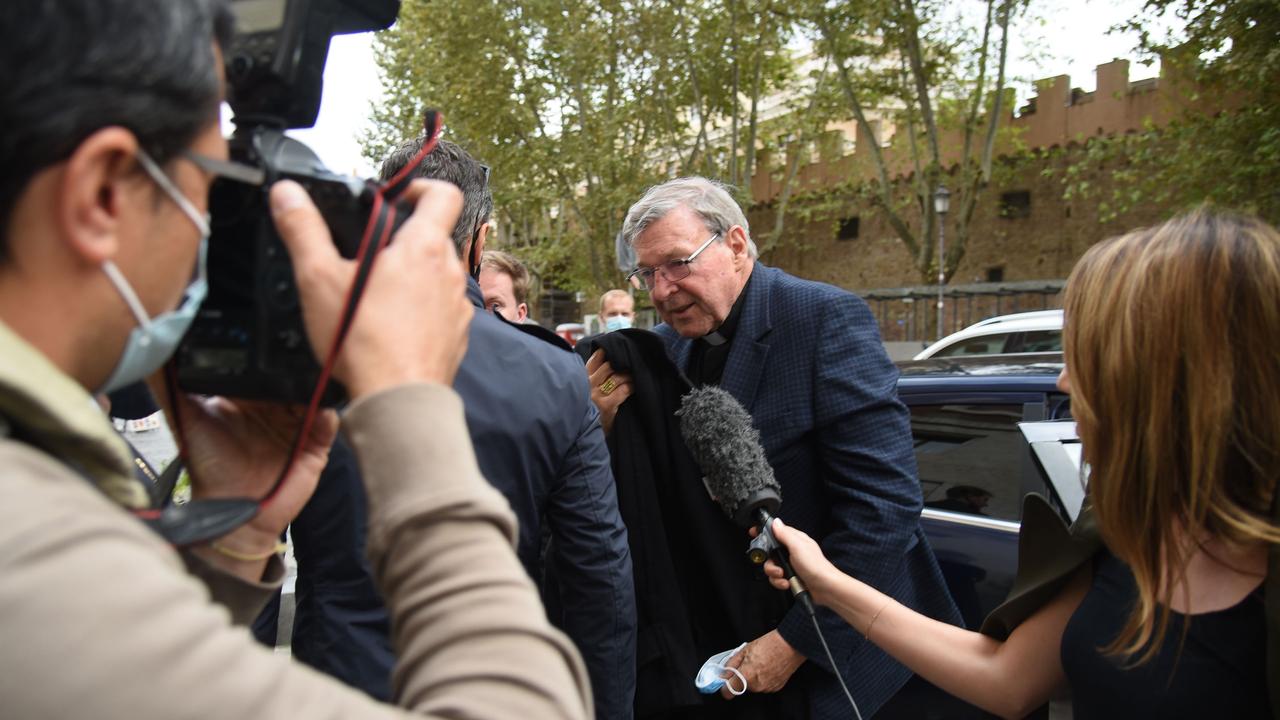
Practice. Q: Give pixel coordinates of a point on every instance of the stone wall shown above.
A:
(1039, 240)
(1002, 246)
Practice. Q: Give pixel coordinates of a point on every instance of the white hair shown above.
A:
(709, 199)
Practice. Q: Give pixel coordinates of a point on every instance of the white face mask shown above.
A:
(154, 340)
(709, 680)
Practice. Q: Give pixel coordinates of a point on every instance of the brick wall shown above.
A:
(1043, 244)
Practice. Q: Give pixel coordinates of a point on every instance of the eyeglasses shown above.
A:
(228, 169)
(249, 174)
(645, 278)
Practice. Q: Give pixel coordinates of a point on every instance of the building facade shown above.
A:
(1026, 227)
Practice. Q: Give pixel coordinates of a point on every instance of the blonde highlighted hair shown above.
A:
(1172, 343)
(507, 263)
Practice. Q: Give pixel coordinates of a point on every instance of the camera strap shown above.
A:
(179, 525)
(394, 187)
(208, 519)
(377, 234)
(198, 520)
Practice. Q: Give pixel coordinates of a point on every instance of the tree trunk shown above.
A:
(733, 125)
(793, 162)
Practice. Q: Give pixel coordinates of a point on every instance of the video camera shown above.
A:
(248, 339)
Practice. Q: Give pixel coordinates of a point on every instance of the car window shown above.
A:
(984, 345)
(970, 458)
(1039, 341)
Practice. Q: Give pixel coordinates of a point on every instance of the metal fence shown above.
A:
(909, 314)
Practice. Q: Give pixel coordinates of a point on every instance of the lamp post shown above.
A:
(941, 204)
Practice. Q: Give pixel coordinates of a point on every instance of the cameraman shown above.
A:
(102, 235)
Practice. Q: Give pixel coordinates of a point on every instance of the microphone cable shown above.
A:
(719, 434)
(801, 594)
(834, 668)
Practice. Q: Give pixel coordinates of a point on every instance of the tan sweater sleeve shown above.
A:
(243, 599)
(100, 619)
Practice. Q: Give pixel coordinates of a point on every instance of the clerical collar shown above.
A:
(725, 332)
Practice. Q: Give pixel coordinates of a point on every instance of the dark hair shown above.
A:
(452, 164)
(72, 67)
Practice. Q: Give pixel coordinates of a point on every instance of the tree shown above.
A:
(1223, 146)
(577, 105)
(580, 104)
(942, 88)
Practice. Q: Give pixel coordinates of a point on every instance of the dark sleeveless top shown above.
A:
(1220, 672)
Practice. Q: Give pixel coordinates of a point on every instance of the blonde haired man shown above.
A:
(504, 282)
(617, 310)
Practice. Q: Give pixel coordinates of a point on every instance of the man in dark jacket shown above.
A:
(805, 359)
(538, 441)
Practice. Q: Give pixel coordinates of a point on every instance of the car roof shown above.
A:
(1000, 325)
(1035, 315)
(1031, 371)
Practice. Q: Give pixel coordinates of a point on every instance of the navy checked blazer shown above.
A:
(808, 364)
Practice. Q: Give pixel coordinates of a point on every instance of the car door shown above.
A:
(975, 467)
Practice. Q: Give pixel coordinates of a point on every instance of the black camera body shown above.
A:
(248, 340)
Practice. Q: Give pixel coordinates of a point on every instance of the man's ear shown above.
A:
(522, 312)
(736, 239)
(99, 183)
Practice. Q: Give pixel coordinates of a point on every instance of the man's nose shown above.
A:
(662, 287)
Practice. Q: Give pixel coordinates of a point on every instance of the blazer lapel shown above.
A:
(750, 346)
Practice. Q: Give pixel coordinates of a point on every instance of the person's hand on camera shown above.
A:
(609, 389)
(411, 325)
(236, 449)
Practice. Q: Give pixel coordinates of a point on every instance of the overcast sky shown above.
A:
(1074, 40)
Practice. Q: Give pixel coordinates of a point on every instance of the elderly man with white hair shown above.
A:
(807, 362)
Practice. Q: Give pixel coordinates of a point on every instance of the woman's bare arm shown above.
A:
(1009, 678)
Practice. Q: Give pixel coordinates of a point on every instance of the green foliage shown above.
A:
(1224, 146)
(910, 66)
(578, 105)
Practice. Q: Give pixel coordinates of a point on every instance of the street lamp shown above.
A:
(941, 204)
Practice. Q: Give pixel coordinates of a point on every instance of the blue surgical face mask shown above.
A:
(617, 322)
(153, 341)
(709, 680)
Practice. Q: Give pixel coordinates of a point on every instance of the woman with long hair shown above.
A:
(1172, 360)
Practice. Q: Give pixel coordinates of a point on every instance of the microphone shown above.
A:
(718, 432)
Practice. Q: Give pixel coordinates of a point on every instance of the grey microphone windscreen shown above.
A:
(718, 432)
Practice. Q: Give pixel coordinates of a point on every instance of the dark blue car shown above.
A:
(976, 465)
